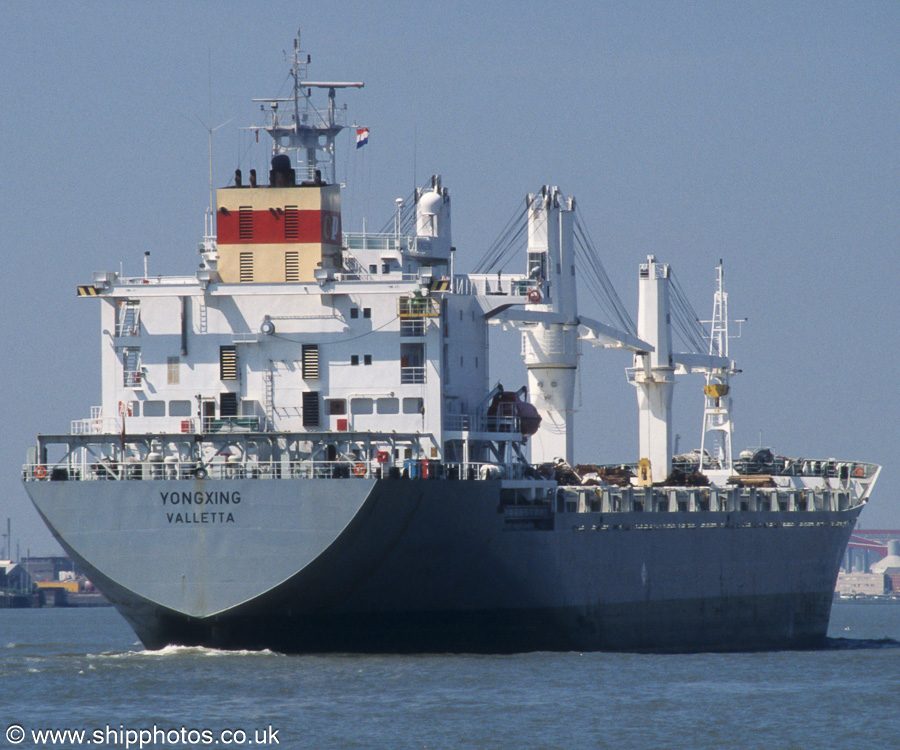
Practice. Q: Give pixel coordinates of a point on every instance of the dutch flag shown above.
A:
(362, 137)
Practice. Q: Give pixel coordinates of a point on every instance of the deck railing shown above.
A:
(481, 423)
(529, 489)
(412, 375)
(225, 468)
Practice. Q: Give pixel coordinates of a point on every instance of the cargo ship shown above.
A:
(300, 447)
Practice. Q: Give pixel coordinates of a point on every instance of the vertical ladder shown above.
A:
(202, 322)
(269, 397)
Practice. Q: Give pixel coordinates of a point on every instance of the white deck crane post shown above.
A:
(551, 348)
(654, 372)
(546, 312)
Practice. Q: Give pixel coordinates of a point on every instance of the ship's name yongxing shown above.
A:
(216, 497)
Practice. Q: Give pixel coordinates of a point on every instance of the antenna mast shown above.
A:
(208, 246)
(311, 130)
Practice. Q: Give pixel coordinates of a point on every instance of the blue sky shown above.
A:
(765, 134)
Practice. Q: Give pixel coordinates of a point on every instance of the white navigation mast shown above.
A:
(309, 131)
(717, 399)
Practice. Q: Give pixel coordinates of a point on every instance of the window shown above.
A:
(131, 366)
(354, 359)
(310, 408)
(388, 405)
(373, 268)
(228, 363)
(537, 265)
(367, 359)
(228, 405)
(336, 407)
(367, 312)
(354, 312)
(385, 268)
(412, 363)
(362, 406)
(245, 223)
(413, 405)
(245, 270)
(179, 408)
(154, 408)
(292, 266)
(412, 328)
(310, 363)
(173, 370)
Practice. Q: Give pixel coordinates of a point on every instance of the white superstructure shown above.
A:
(327, 345)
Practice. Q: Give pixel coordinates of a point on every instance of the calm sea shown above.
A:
(84, 670)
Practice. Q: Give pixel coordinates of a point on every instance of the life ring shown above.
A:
(40, 472)
(534, 295)
(859, 471)
(359, 469)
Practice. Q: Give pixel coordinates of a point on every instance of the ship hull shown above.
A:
(441, 566)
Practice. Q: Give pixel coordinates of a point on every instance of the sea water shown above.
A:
(83, 670)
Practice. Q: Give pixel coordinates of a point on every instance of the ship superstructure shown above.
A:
(301, 446)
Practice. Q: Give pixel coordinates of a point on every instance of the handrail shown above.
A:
(379, 241)
(412, 375)
(481, 423)
(568, 499)
(226, 468)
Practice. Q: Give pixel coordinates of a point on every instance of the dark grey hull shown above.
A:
(740, 624)
(441, 566)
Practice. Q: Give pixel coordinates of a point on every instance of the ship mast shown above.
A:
(717, 401)
(310, 130)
